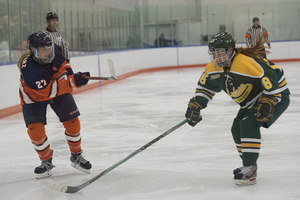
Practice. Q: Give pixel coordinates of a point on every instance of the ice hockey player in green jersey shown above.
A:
(256, 84)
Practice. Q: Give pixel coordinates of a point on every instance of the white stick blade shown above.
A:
(57, 186)
(112, 69)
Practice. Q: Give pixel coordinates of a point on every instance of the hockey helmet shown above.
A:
(39, 39)
(51, 15)
(43, 47)
(221, 40)
(221, 48)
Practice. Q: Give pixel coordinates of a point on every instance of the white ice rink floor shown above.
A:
(190, 163)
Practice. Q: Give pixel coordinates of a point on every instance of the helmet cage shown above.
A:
(44, 54)
(221, 57)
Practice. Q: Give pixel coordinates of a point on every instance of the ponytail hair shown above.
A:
(256, 52)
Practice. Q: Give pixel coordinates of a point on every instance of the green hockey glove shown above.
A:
(193, 112)
(265, 108)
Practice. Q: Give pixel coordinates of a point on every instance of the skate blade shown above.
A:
(80, 168)
(251, 181)
(44, 175)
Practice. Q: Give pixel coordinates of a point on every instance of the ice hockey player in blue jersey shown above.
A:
(47, 79)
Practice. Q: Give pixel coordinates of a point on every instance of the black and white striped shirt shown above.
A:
(57, 38)
(254, 33)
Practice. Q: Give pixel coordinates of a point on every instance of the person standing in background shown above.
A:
(4, 46)
(255, 32)
(55, 35)
(161, 41)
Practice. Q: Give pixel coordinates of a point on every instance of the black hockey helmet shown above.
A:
(43, 47)
(51, 15)
(38, 39)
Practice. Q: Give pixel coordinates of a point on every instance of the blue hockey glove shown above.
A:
(77, 80)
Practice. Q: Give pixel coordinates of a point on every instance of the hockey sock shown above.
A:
(250, 148)
(250, 139)
(37, 134)
(72, 133)
(236, 134)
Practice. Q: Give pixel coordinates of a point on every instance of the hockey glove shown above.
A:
(70, 71)
(76, 80)
(193, 112)
(265, 108)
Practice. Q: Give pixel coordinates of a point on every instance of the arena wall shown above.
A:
(129, 63)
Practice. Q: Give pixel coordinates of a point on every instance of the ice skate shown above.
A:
(44, 170)
(237, 170)
(247, 175)
(78, 162)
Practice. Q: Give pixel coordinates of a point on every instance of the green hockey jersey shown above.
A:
(246, 80)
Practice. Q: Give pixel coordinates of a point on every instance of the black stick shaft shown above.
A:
(98, 78)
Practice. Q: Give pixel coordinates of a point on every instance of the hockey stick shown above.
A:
(112, 73)
(99, 78)
(73, 189)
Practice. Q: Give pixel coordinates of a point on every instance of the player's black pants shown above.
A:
(246, 130)
(64, 106)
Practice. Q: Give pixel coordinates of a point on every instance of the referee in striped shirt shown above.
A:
(256, 31)
(55, 35)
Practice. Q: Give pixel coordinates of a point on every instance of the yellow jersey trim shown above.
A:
(246, 66)
(251, 145)
(211, 68)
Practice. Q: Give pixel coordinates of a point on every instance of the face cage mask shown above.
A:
(220, 57)
(50, 57)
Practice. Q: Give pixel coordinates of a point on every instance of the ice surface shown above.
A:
(190, 163)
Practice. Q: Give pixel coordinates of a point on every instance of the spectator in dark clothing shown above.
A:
(161, 41)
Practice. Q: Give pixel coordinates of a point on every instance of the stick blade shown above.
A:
(56, 186)
(64, 188)
(112, 69)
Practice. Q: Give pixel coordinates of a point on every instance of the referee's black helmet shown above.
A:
(51, 15)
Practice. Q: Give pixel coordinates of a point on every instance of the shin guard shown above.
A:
(37, 134)
(72, 133)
